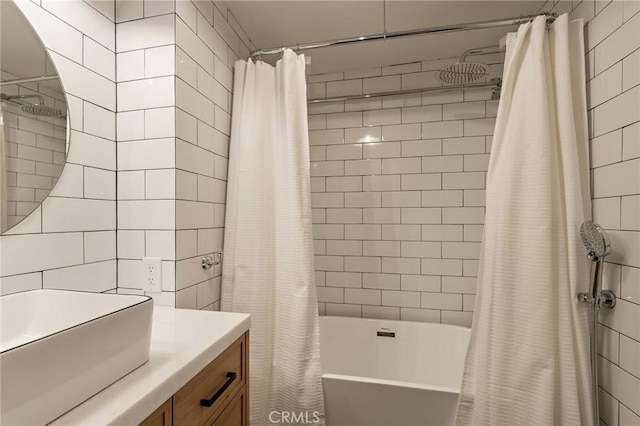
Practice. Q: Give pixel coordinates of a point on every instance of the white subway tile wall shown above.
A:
(36, 149)
(72, 236)
(398, 194)
(172, 121)
(146, 95)
(613, 98)
(174, 110)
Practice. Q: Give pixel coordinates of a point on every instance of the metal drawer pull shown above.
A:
(231, 376)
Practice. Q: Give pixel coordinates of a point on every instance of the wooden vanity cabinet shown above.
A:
(163, 416)
(235, 413)
(217, 395)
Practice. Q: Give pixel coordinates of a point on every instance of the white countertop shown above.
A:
(183, 342)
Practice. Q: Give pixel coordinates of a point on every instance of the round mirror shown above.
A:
(33, 119)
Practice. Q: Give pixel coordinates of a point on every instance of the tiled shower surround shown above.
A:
(613, 98)
(398, 193)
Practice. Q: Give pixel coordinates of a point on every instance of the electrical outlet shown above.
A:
(152, 274)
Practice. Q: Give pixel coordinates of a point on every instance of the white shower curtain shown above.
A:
(528, 359)
(268, 269)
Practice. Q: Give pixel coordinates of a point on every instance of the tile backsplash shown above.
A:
(173, 86)
(398, 193)
(69, 241)
(206, 50)
(175, 78)
(145, 64)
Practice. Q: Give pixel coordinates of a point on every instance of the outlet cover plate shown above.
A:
(152, 274)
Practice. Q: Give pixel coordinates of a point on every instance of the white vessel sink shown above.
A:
(58, 348)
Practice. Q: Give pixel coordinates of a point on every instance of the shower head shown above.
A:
(38, 109)
(595, 240)
(463, 72)
(41, 110)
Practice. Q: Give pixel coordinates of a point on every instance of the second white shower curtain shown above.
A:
(528, 358)
(268, 269)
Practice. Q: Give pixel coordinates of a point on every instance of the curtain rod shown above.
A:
(495, 84)
(29, 80)
(397, 34)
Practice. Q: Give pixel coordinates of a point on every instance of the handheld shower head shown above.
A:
(598, 245)
(595, 240)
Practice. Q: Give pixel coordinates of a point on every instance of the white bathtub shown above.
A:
(378, 372)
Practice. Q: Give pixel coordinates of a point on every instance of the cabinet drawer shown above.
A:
(236, 413)
(216, 383)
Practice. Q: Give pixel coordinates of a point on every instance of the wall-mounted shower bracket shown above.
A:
(606, 298)
(212, 260)
(497, 90)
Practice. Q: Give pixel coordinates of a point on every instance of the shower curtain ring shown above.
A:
(551, 18)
